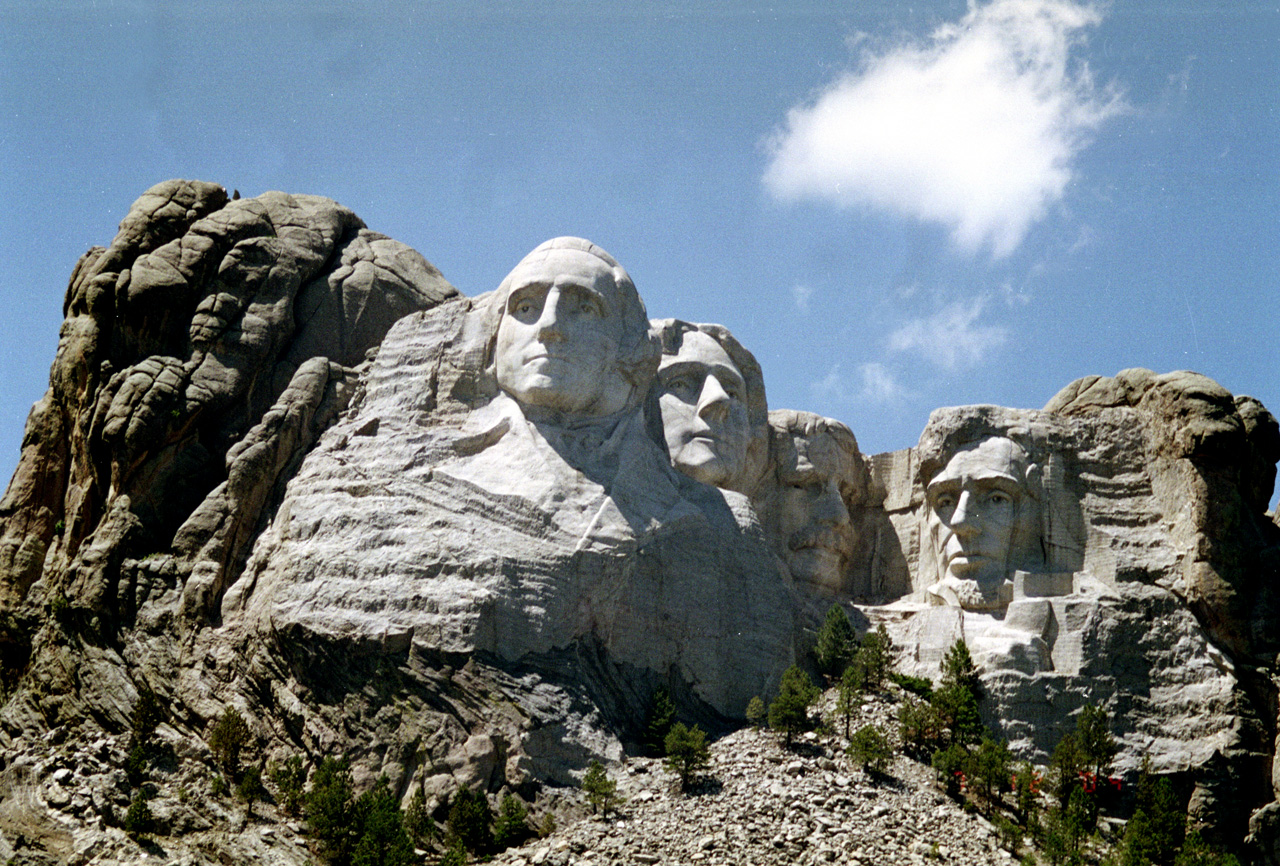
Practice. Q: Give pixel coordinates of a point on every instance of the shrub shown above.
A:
(849, 697)
(789, 712)
(378, 829)
(658, 720)
(147, 715)
(328, 806)
(952, 766)
(455, 856)
(290, 778)
(250, 787)
(756, 712)
(417, 821)
(835, 642)
(869, 749)
(470, 820)
(916, 685)
(138, 821)
(920, 728)
(135, 764)
(229, 737)
(218, 786)
(547, 825)
(687, 753)
(1154, 833)
(958, 669)
(873, 658)
(1010, 833)
(600, 789)
(1093, 734)
(956, 709)
(1197, 852)
(512, 826)
(989, 769)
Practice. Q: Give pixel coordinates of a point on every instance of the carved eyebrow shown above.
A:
(700, 368)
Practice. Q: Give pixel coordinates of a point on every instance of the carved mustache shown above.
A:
(822, 537)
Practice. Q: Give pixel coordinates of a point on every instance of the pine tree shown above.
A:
(1093, 735)
(873, 658)
(849, 696)
(378, 829)
(512, 826)
(1154, 833)
(789, 711)
(687, 753)
(869, 749)
(470, 820)
(328, 805)
(756, 712)
(835, 642)
(228, 738)
(958, 669)
(602, 792)
(658, 720)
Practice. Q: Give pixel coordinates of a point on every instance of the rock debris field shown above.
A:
(765, 804)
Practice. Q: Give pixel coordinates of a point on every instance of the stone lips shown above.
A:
(221, 499)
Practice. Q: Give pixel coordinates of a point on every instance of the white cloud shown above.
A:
(975, 129)
(801, 295)
(873, 382)
(951, 338)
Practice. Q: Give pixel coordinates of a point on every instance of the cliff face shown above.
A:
(275, 471)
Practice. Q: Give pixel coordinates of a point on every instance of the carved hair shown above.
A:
(638, 351)
(786, 424)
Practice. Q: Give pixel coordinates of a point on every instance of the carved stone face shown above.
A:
(975, 505)
(704, 411)
(813, 515)
(559, 337)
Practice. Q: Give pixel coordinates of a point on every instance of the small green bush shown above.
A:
(915, 685)
(687, 753)
(512, 826)
(290, 779)
(417, 821)
(602, 792)
(658, 720)
(328, 806)
(789, 711)
(869, 749)
(835, 643)
(229, 737)
(218, 786)
(547, 825)
(757, 714)
(470, 820)
(379, 837)
(138, 821)
(250, 787)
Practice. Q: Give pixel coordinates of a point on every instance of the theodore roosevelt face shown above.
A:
(816, 481)
(704, 411)
(559, 338)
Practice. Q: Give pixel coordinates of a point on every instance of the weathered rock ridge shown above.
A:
(276, 470)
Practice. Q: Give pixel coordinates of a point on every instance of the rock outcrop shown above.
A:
(284, 467)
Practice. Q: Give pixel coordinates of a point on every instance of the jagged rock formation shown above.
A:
(284, 467)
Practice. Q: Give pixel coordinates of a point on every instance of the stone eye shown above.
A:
(999, 497)
(944, 500)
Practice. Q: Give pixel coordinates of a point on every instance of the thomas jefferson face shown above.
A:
(813, 515)
(704, 411)
(974, 506)
(559, 337)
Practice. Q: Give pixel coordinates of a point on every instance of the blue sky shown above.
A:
(895, 207)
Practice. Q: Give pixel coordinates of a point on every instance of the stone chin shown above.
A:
(702, 458)
(818, 568)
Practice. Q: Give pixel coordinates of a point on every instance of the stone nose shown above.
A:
(549, 323)
(964, 519)
(713, 402)
(829, 507)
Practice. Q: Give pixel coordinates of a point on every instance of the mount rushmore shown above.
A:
(284, 466)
